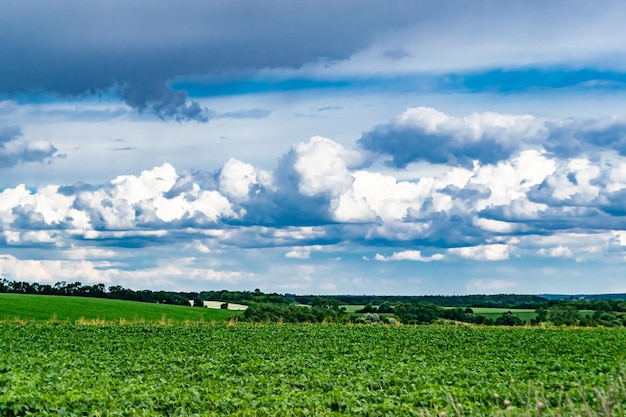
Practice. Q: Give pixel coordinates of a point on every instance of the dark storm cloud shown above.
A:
(72, 47)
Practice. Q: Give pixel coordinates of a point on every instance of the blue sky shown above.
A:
(319, 147)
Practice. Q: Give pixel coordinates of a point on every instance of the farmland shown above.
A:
(490, 312)
(62, 308)
(263, 370)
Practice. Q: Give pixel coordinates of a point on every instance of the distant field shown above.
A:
(493, 313)
(353, 308)
(45, 307)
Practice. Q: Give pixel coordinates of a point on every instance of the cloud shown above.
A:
(321, 194)
(137, 49)
(558, 252)
(163, 102)
(494, 252)
(575, 137)
(425, 134)
(298, 254)
(14, 150)
(173, 274)
(244, 114)
(237, 180)
(142, 52)
(408, 255)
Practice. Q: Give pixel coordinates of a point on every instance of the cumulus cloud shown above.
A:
(571, 138)
(425, 134)
(494, 252)
(298, 254)
(408, 255)
(15, 150)
(321, 194)
(238, 179)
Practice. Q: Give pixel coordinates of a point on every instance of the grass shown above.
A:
(73, 309)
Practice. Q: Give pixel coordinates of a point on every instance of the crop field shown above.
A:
(309, 370)
(47, 307)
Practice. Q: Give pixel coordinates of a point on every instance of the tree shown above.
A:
(368, 308)
(385, 307)
(563, 314)
(542, 315)
(317, 302)
(509, 319)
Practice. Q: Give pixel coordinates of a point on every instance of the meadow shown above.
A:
(55, 368)
(63, 308)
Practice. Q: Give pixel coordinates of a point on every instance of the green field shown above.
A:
(494, 313)
(352, 308)
(309, 370)
(47, 307)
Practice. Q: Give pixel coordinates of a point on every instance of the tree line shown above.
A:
(97, 291)
(311, 308)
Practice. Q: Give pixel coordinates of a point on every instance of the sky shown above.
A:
(330, 147)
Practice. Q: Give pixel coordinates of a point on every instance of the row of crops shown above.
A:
(316, 370)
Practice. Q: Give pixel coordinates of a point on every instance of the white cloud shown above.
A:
(298, 254)
(409, 255)
(574, 180)
(505, 127)
(50, 271)
(493, 252)
(236, 179)
(557, 252)
(496, 226)
(511, 180)
(323, 166)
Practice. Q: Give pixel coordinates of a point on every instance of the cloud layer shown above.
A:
(77, 48)
(531, 202)
(138, 49)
